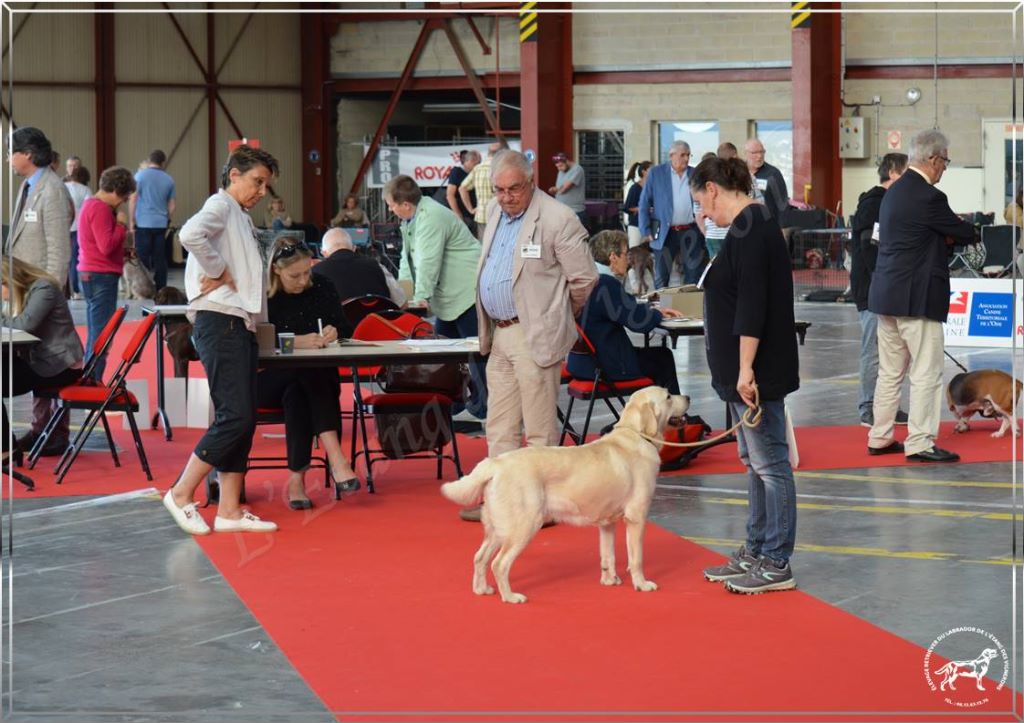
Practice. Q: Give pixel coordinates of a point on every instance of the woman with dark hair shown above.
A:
(610, 310)
(304, 303)
(632, 203)
(102, 229)
(350, 213)
(751, 348)
(225, 285)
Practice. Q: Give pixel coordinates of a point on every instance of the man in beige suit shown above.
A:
(40, 231)
(40, 234)
(535, 275)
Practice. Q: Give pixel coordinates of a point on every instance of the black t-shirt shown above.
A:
(864, 251)
(298, 313)
(633, 201)
(455, 178)
(748, 291)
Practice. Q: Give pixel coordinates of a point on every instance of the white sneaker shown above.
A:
(247, 523)
(187, 517)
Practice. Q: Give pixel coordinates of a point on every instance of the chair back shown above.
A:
(999, 242)
(357, 308)
(385, 327)
(137, 343)
(101, 346)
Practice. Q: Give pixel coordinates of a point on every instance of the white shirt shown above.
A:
(79, 192)
(682, 201)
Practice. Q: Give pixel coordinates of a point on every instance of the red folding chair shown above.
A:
(100, 347)
(376, 327)
(597, 388)
(358, 308)
(111, 397)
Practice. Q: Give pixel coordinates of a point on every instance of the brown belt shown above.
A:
(502, 323)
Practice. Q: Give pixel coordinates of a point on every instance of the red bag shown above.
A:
(693, 429)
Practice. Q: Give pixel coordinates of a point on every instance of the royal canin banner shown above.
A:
(427, 165)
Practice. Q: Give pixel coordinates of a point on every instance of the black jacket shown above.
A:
(863, 251)
(353, 274)
(911, 276)
(776, 195)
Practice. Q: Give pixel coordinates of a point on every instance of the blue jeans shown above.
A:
(230, 356)
(771, 527)
(687, 244)
(73, 266)
(149, 245)
(463, 326)
(100, 291)
(868, 360)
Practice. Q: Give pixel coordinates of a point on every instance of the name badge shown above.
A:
(530, 251)
(762, 184)
(31, 217)
(874, 233)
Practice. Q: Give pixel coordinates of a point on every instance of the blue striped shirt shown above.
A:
(496, 276)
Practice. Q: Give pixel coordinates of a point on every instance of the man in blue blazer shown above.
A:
(668, 191)
(910, 293)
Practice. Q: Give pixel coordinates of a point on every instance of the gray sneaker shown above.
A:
(736, 566)
(765, 576)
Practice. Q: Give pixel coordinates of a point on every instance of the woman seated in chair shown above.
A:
(36, 304)
(609, 312)
(301, 302)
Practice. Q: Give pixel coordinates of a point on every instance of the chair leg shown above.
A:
(611, 407)
(565, 422)
(366, 450)
(455, 448)
(110, 438)
(71, 453)
(586, 424)
(37, 446)
(138, 446)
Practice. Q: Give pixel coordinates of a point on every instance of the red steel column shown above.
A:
(545, 66)
(817, 108)
(103, 41)
(317, 112)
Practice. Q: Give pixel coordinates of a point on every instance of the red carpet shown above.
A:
(396, 633)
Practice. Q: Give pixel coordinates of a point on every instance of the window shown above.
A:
(602, 156)
(777, 137)
(701, 135)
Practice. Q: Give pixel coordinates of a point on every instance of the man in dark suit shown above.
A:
(352, 274)
(910, 293)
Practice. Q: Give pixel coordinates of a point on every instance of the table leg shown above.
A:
(161, 413)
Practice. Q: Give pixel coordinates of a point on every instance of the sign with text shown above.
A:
(427, 165)
(982, 312)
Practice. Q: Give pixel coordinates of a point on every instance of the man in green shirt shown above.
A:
(440, 258)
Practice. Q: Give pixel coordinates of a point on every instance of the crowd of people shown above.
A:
(496, 257)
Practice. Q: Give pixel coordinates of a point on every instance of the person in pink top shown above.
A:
(102, 229)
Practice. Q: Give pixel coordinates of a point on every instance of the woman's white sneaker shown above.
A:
(248, 522)
(187, 517)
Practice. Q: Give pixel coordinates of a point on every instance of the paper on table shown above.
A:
(433, 342)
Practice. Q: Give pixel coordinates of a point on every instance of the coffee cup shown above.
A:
(286, 342)
(265, 337)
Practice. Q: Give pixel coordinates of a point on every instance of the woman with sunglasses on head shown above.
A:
(304, 303)
(224, 282)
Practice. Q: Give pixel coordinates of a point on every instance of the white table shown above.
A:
(16, 337)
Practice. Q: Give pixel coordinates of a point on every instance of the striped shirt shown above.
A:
(714, 234)
(496, 276)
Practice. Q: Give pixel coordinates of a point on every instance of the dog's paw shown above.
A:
(610, 578)
(999, 433)
(961, 426)
(483, 589)
(514, 598)
(645, 586)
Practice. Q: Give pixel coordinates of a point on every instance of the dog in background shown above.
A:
(138, 281)
(989, 392)
(177, 331)
(639, 279)
(600, 483)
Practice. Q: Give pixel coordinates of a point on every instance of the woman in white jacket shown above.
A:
(225, 285)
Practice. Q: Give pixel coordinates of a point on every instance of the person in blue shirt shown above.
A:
(151, 208)
(611, 310)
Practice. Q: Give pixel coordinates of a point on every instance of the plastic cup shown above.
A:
(286, 342)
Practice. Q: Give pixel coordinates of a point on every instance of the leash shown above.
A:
(751, 418)
(962, 367)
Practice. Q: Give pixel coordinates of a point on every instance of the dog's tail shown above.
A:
(469, 490)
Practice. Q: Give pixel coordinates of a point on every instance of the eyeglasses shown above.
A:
(515, 190)
(945, 159)
(285, 251)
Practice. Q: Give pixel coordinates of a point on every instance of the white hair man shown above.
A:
(910, 294)
(667, 190)
(354, 274)
(768, 180)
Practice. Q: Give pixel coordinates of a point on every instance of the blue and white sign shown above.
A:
(982, 312)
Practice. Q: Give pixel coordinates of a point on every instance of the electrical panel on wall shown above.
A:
(853, 141)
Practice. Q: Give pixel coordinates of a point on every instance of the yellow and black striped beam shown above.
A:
(528, 22)
(801, 15)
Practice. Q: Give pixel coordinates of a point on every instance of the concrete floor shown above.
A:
(115, 614)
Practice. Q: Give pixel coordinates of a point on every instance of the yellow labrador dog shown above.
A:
(599, 483)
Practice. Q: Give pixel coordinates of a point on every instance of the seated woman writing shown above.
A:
(610, 310)
(36, 304)
(308, 306)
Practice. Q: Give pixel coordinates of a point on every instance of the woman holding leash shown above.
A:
(752, 355)
(224, 281)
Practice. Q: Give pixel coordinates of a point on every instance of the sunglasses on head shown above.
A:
(285, 251)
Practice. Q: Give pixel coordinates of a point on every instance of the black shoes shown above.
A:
(346, 486)
(765, 576)
(891, 448)
(301, 504)
(935, 454)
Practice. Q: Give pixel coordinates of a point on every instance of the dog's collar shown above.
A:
(653, 442)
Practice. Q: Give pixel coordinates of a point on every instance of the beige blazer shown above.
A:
(45, 242)
(550, 291)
